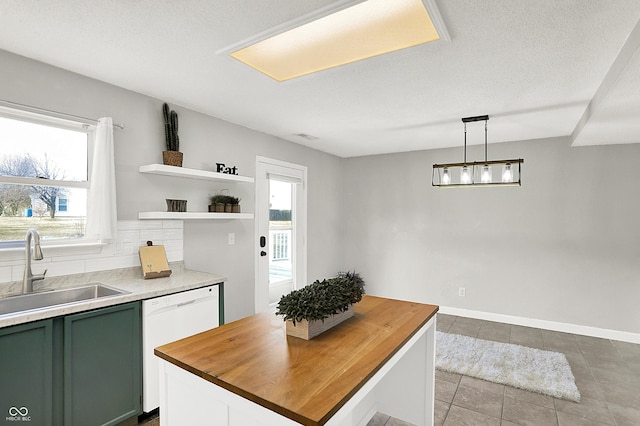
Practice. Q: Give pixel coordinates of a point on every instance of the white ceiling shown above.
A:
(539, 69)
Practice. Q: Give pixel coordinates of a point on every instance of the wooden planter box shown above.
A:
(308, 330)
(176, 205)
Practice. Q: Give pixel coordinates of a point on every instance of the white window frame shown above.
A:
(51, 121)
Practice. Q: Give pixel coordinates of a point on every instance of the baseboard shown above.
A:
(603, 333)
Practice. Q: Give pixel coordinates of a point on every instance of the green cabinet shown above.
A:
(26, 374)
(81, 369)
(102, 366)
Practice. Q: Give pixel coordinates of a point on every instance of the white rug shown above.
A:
(514, 365)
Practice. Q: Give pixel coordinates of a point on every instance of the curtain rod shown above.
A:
(56, 113)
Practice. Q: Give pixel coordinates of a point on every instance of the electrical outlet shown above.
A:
(232, 238)
(462, 292)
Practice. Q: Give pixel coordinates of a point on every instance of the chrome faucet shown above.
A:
(29, 278)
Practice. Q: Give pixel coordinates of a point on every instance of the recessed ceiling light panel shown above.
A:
(368, 29)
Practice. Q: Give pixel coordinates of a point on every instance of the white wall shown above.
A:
(564, 247)
(204, 141)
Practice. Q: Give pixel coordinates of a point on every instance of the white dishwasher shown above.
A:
(169, 318)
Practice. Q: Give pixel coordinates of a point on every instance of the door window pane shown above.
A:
(280, 239)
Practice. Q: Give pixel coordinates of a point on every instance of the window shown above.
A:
(280, 241)
(44, 171)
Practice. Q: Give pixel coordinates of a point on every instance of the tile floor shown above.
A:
(607, 375)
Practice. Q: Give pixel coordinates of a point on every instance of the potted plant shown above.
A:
(172, 156)
(218, 202)
(321, 305)
(235, 205)
(228, 201)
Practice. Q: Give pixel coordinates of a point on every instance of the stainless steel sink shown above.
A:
(34, 301)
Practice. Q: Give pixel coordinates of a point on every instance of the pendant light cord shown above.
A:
(485, 141)
(465, 143)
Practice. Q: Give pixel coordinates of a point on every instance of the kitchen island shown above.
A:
(250, 372)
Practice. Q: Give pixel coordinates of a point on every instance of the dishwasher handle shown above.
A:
(185, 303)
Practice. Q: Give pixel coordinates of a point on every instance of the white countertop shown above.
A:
(129, 279)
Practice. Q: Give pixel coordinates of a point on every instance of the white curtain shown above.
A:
(101, 198)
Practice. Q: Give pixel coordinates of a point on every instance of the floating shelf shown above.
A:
(161, 169)
(193, 215)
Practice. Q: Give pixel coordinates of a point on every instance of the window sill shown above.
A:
(55, 248)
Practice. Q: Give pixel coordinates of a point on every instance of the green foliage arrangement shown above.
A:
(171, 128)
(322, 299)
(224, 199)
(219, 199)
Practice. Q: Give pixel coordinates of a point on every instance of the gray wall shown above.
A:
(204, 140)
(563, 247)
(206, 245)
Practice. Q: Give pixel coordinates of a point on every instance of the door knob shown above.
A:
(263, 253)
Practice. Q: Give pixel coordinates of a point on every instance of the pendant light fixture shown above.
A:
(477, 173)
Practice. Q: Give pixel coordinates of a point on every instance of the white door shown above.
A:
(281, 217)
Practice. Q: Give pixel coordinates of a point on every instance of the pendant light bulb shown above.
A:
(465, 176)
(446, 177)
(485, 176)
(507, 174)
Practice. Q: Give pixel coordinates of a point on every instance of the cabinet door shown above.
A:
(26, 371)
(102, 366)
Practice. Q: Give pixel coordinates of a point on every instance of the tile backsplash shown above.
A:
(122, 253)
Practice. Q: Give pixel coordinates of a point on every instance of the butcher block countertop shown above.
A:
(305, 380)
